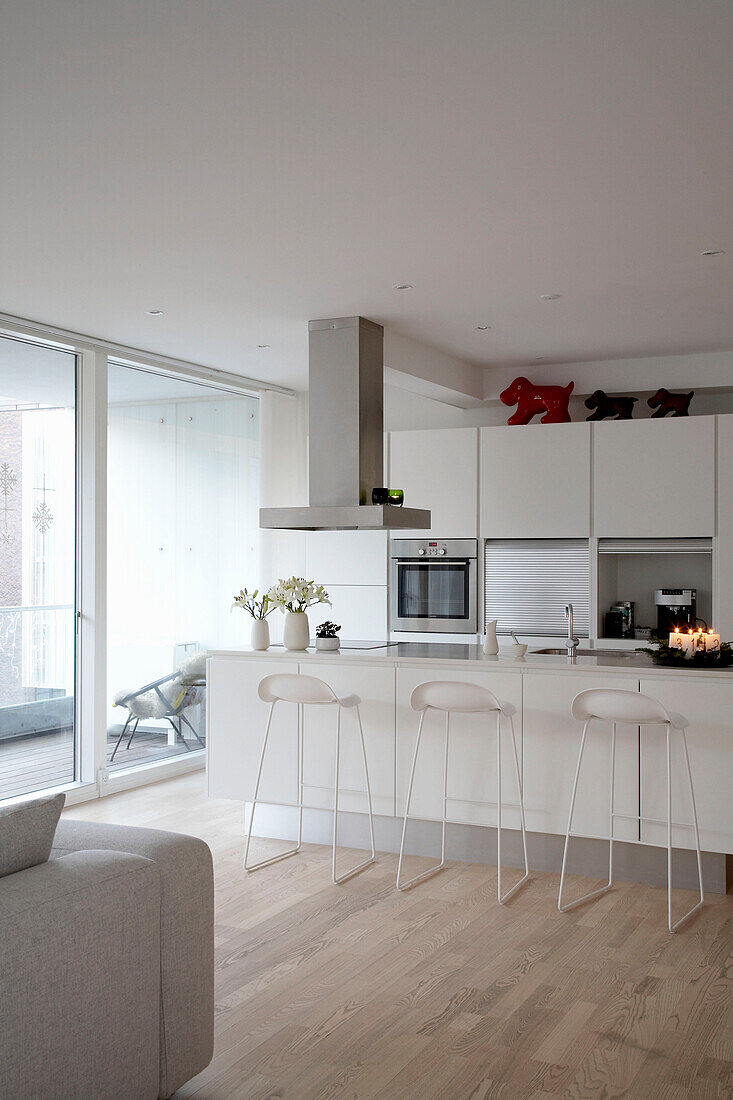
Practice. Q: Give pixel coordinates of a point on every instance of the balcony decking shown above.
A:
(47, 760)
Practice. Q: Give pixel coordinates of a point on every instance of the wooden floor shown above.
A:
(356, 991)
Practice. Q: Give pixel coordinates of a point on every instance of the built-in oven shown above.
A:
(433, 585)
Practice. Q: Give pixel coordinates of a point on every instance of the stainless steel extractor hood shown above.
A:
(345, 435)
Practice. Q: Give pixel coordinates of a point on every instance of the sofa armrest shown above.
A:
(79, 978)
(187, 936)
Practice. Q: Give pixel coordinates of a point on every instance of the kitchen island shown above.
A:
(541, 687)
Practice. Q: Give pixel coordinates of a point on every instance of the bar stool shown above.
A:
(631, 708)
(309, 691)
(452, 697)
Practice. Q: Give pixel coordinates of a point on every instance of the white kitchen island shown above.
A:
(541, 687)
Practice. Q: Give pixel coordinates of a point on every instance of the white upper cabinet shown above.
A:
(654, 478)
(438, 469)
(347, 557)
(535, 481)
(723, 608)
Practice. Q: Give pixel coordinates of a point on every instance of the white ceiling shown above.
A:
(247, 165)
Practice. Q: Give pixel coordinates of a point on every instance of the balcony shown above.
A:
(37, 746)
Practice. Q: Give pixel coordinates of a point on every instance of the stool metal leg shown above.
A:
(564, 907)
(612, 804)
(370, 858)
(512, 890)
(291, 851)
(438, 866)
(673, 927)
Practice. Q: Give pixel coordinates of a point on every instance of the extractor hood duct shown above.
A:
(345, 434)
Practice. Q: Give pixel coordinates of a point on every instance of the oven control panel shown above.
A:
(432, 550)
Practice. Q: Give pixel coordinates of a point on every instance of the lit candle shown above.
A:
(710, 642)
(675, 639)
(689, 643)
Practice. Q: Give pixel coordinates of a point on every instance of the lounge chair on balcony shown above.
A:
(166, 698)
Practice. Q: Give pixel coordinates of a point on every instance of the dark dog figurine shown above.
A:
(665, 402)
(531, 400)
(620, 408)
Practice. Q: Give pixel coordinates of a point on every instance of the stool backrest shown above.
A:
(292, 687)
(449, 695)
(615, 705)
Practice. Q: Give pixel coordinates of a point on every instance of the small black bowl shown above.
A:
(380, 496)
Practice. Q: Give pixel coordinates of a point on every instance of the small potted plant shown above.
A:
(258, 610)
(327, 636)
(294, 596)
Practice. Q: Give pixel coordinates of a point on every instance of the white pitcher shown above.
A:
(491, 645)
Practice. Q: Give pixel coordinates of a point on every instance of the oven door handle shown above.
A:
(433, 561)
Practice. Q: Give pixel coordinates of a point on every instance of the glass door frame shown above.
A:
(92, 778)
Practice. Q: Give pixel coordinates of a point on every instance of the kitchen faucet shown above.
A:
(570, 642)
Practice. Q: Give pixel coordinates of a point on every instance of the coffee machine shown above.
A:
(675, 607)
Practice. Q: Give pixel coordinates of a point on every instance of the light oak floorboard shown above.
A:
(358, 992)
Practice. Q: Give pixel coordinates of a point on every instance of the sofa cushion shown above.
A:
(27, 830)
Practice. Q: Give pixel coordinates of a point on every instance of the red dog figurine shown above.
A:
(531, 400)
(675, 403)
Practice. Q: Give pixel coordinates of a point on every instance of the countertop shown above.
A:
(472, 656)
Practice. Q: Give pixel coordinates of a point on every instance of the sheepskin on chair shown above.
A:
(166, 698)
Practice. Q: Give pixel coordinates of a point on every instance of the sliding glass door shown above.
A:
(183, 475)
(37, 567)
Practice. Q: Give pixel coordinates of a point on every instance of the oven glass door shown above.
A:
(433, 590)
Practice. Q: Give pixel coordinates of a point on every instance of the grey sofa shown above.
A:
(107, 966)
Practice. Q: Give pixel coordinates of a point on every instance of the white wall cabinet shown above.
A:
(347, 557)
(654, 478)
(551, 745)
(535, 481)
(723, 563)
(708, 706)
(438, 469)
(236, 719)
(375, 685)
(352, 566)
(472, 757)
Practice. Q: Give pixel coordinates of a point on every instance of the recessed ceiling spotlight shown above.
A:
(403, 286)
(713, 252)
(482, 328)
(263, 346)
(154, 312)
(550, 297)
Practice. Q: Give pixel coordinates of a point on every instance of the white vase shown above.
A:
(260, 636)
(297, 632)
(491, 645)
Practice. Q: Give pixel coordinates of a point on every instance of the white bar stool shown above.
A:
(309, 691)
(451, 697)
(631, 708)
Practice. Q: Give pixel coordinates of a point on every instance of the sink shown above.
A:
(557, 652)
